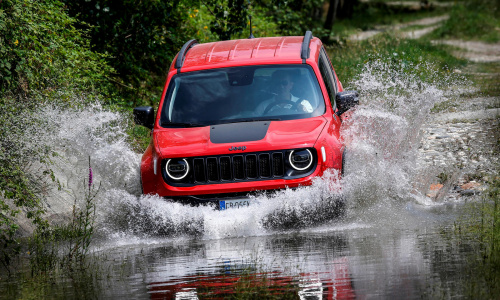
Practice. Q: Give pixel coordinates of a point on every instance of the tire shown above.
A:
(344, 154)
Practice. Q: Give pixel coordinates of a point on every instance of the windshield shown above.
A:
(241, 94)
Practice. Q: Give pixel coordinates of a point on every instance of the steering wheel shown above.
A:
(283, 102)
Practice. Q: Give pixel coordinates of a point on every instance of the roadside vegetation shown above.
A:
(349, 57)
(472, 20)
(480, 227)
(116, 52)
(44, 59)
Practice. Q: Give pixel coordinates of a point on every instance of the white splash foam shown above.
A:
(382, 135)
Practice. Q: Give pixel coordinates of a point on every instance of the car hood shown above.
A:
(238, 137)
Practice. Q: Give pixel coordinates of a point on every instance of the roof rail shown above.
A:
(182, 54)
(305, 50)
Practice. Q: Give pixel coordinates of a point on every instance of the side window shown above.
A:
(328, 77)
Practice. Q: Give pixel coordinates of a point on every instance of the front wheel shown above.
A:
(337, 206)
(296, 217)
(344, 156)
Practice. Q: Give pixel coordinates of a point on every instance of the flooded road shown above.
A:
(409, 174)
(402, 254)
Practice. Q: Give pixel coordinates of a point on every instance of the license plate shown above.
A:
(232, 204)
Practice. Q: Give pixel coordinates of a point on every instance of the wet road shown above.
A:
(401, 252)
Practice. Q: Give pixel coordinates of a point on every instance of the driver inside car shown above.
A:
(282, 85)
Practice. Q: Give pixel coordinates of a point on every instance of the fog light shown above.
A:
(300, 160)
(177, 169)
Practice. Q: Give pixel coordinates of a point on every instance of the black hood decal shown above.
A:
(239, 132)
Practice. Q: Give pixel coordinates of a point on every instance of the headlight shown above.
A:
(300, 160)
(177, 169)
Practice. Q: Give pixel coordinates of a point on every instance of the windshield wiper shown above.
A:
(250, 120)
(182, 124)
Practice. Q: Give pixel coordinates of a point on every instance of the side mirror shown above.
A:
(346, 100)
(145, 116)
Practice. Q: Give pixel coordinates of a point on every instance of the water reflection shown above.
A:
(279, 265)
(364, 262)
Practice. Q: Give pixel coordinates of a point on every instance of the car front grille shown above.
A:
(238, 167)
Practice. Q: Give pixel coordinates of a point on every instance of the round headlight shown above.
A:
(300, 159)
(177, 169)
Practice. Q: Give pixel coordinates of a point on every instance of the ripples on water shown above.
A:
(382, 135)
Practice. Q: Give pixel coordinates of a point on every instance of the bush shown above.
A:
(43, 57)
(19, 188)
(41, 51)
(141, 38)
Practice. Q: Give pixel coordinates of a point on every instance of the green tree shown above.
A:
(41, 51)
(230, 17)
(295, 17)
(341, 9)
(141, 38)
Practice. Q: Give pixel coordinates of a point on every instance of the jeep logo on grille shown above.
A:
(242, 148)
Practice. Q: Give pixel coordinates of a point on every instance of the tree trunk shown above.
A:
(346, 8)
(330, 16)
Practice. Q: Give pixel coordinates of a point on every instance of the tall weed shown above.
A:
(74, 238)
(481, 227)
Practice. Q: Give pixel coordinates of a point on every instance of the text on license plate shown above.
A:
(230, 204)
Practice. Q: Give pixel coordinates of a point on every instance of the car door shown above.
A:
(329, 78)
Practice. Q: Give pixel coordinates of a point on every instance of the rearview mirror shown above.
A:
(346, 100)
(145, 116)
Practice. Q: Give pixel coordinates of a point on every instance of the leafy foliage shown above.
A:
(41, 51)
(230, 17)
(294, 17)
(20, 190)
(141, 38)
(42, 56)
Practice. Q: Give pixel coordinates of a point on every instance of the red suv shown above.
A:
(242, 116)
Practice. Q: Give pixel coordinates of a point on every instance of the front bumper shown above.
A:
(214, 200)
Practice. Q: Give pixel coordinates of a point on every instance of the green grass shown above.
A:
(368, 15)
(480, 227)
(486, 76)
(348, 58)
(139, 138)
(475, 20)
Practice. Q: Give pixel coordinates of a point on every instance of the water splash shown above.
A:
(382, 137)
(156, 217)
(98, 133)
(383, 134)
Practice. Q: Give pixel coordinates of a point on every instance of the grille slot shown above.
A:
(212, 169)
(251, 166)
(199, 170)
(239, 172)
(278, 164)
(265, 165)
(225, 168)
